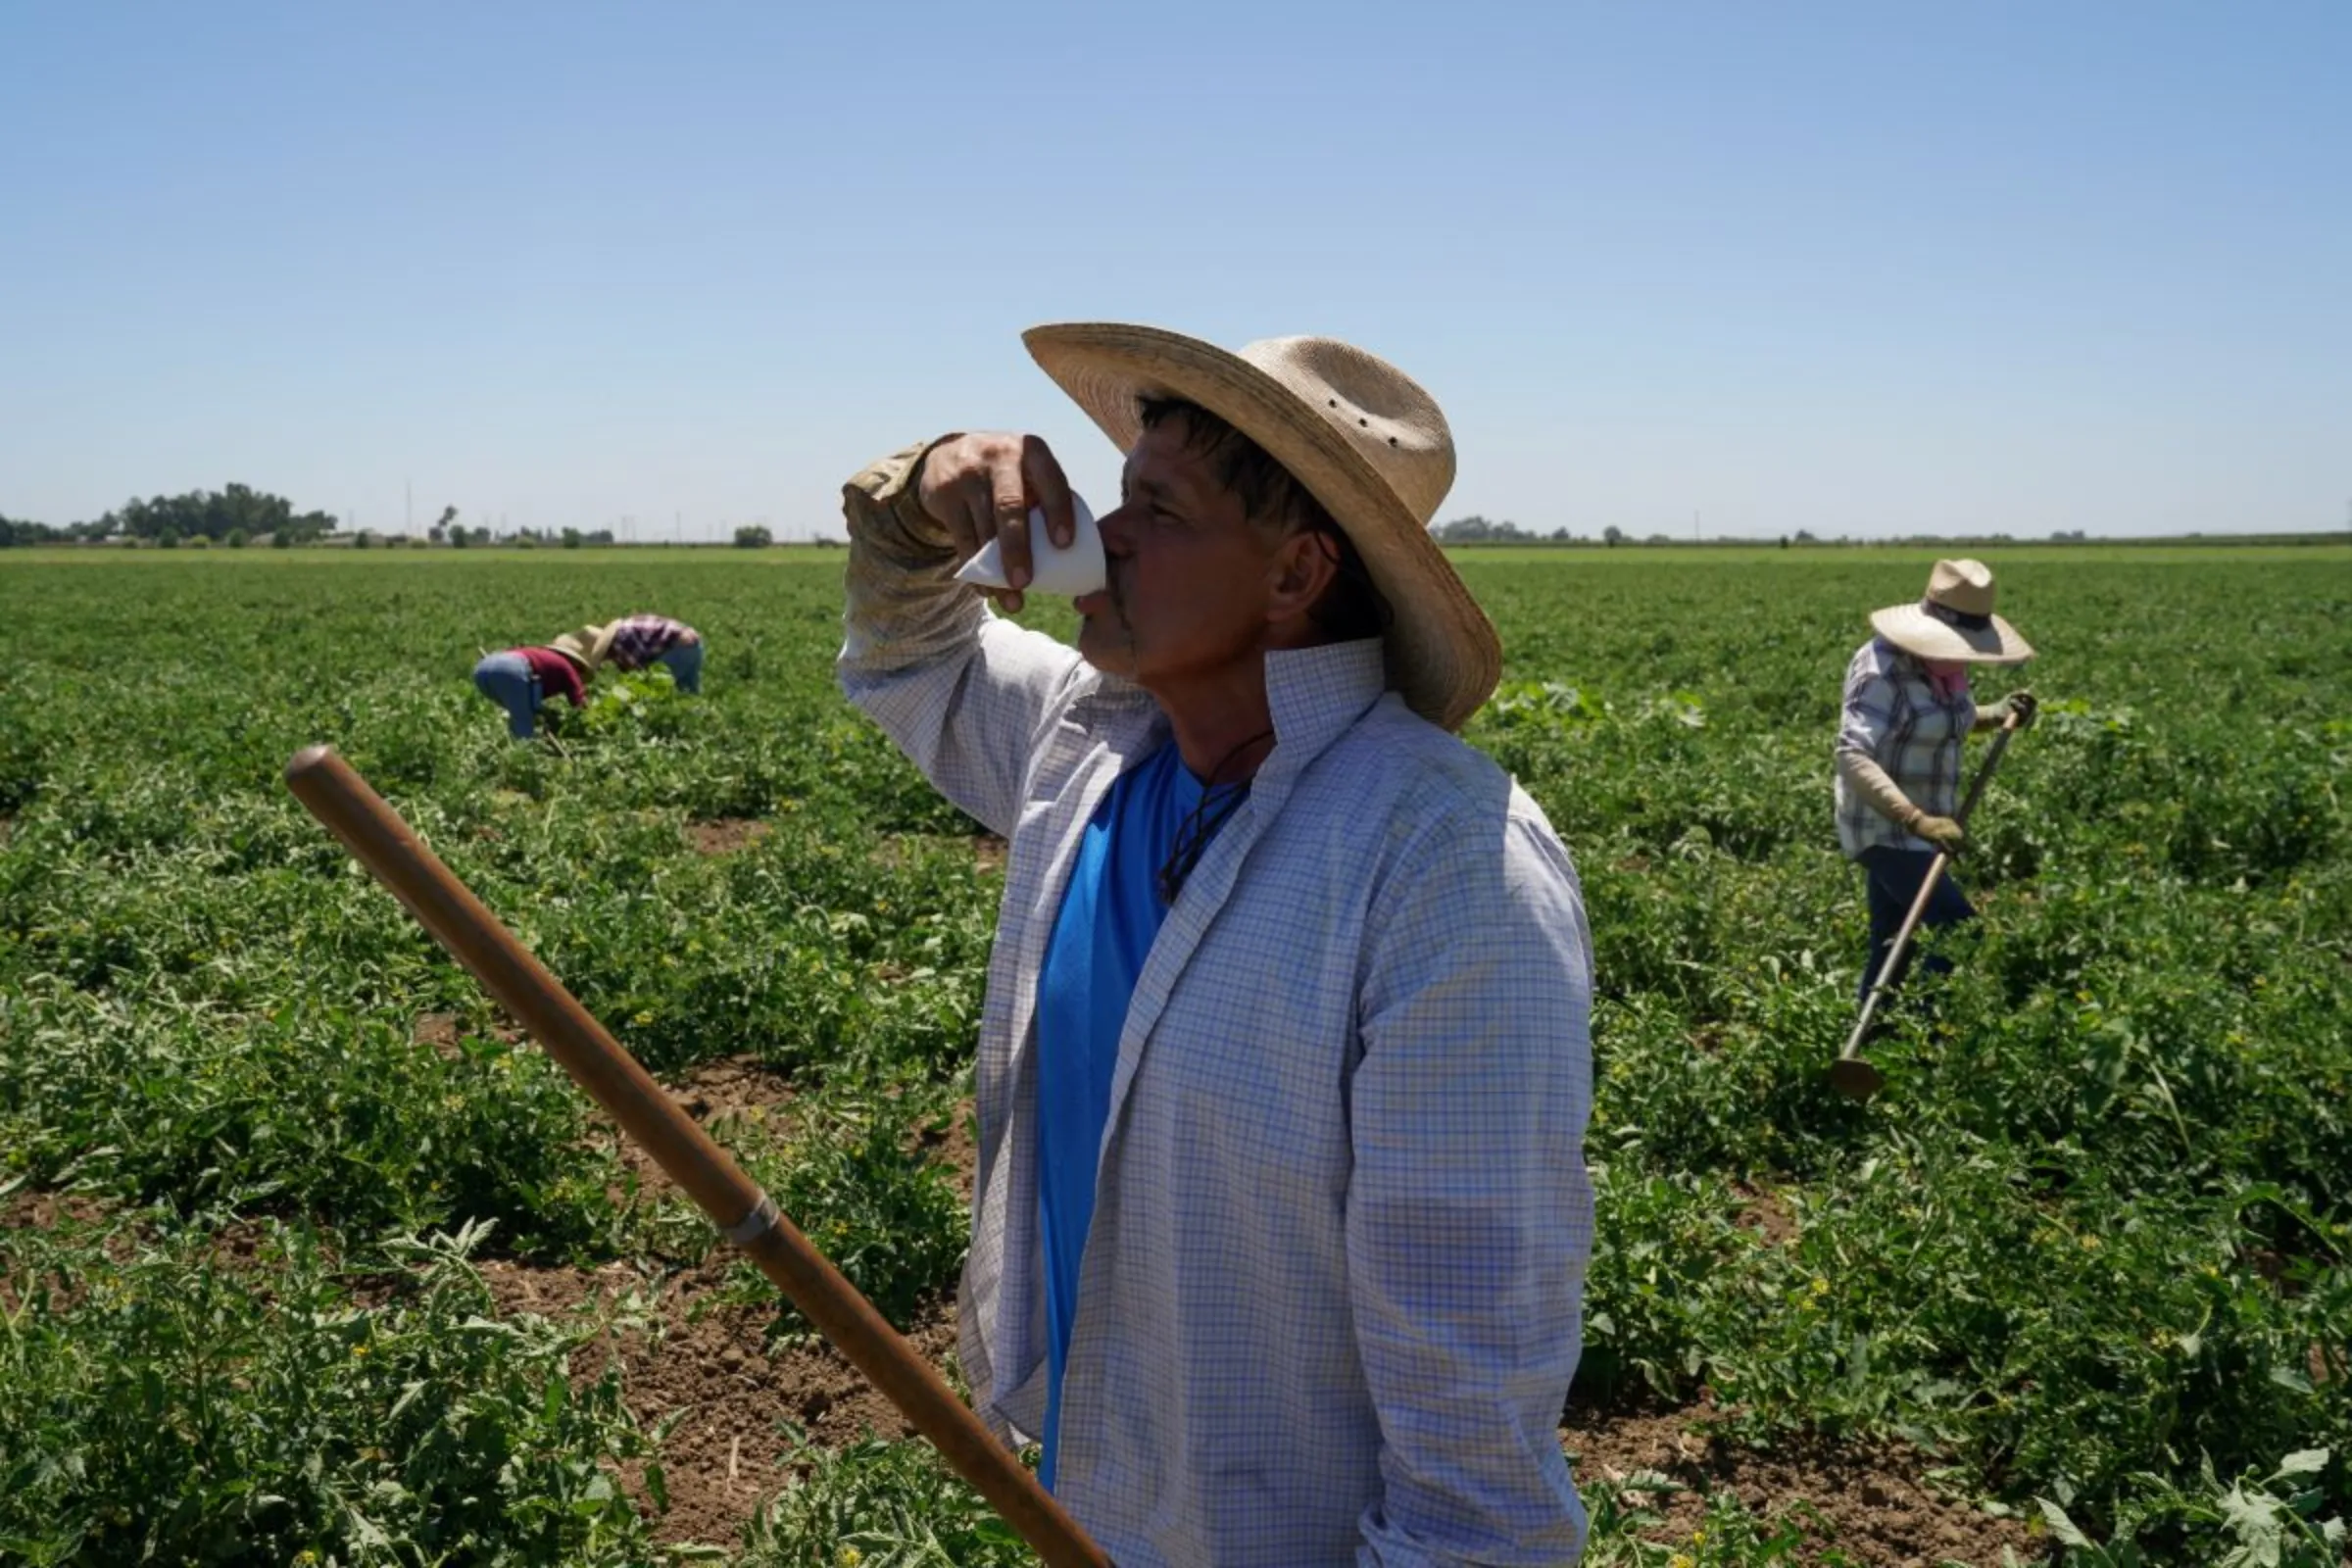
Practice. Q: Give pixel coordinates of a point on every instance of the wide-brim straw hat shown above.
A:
(1361, 434)
(586, 647)
(1955, 622)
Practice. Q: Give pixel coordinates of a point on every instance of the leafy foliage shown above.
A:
(2089, 1247)
(166, 1407)
(880, 1505)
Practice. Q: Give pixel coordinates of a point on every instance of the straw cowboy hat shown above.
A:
(1955, 621)
(1359, 433)
(586, 647)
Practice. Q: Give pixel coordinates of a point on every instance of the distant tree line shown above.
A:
(231, 516)
(1478, 530)
(15, 531)
(241, 515)
(235, 513)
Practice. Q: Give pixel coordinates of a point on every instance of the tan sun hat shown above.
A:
(1955, 621)
(586, 647)
(1359, 433)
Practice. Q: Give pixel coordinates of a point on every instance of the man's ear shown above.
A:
(1303, 566)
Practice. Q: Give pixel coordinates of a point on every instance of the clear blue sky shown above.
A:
(1863, 269)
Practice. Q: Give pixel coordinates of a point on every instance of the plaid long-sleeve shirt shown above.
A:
(1892, 715)
(641, 639)
(1330, 1303)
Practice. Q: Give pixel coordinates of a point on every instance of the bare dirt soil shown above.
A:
(726, 835)
(1870, 1503)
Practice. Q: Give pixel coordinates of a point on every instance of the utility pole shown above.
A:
(408, 508)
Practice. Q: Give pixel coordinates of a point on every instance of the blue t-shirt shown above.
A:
(1109, 914)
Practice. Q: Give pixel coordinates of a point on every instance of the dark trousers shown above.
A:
(1893, 876)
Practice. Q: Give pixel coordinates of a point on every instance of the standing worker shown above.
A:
(637, 641)
(1907, 708)
(1282, 1215)
(519, 679)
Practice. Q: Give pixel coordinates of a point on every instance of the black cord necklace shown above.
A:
(1217, 803)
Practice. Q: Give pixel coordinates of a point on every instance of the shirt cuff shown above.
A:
(884, 503)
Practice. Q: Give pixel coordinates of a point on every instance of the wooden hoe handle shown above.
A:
(341, 800)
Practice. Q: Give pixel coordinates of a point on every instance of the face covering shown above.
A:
(1947, 678)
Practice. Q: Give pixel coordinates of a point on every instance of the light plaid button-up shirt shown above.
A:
(641, 639)
(1893, 716)
(1330, 1303)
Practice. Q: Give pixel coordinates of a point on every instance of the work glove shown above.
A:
(1940, 831)
(2026, 706)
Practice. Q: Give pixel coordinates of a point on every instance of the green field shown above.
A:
(306, 1258)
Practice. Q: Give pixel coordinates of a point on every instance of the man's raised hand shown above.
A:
(981, 485)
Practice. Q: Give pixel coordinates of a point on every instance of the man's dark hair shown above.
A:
(1273, 499)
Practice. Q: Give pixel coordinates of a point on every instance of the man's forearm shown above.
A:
(1871, 781)
(903, 603)
(960, 690)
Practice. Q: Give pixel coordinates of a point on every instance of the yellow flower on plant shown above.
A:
(1682, 1559)
(849, 1557)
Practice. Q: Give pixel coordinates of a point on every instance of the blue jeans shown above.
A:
(685, 661)
(1893, 876)
(507, 680)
